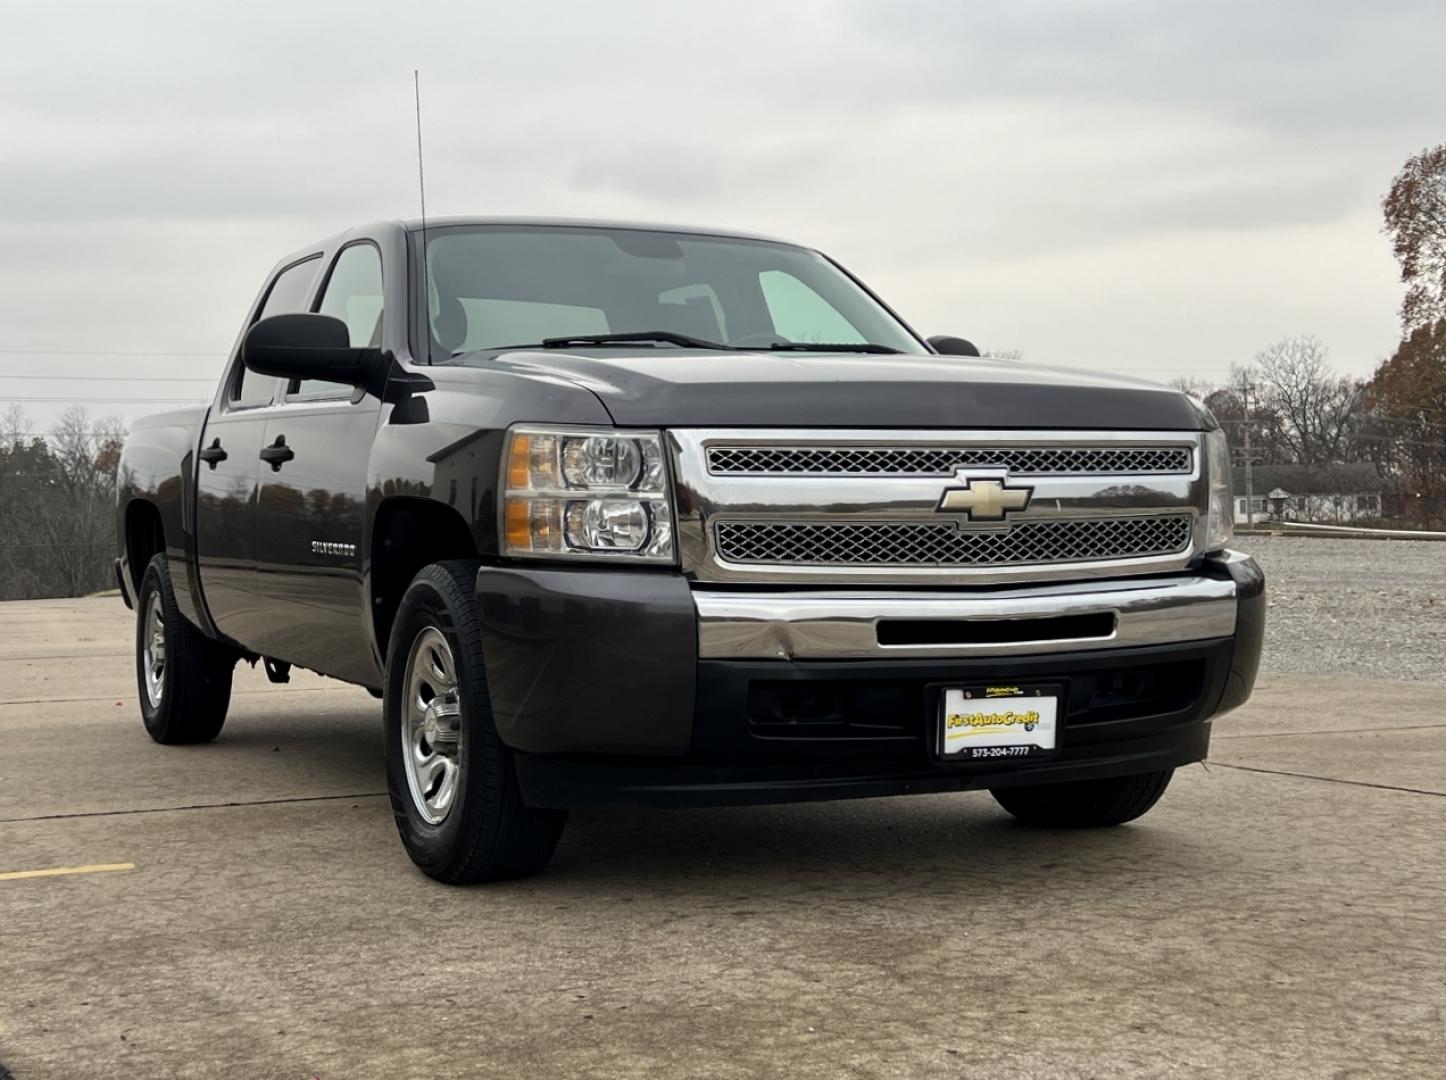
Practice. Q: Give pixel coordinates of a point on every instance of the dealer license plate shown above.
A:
(1003, 721)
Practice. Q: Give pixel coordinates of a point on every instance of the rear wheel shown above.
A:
(452, 781)
(1086, 804)
(184, 677)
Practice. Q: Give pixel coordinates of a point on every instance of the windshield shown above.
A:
(494, 286)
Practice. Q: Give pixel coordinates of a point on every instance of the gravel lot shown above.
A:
(1369, 608)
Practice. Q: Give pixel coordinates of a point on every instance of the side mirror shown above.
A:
(953, 346)
(308, 347)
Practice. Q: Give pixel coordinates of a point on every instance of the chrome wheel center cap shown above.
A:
(442, 722)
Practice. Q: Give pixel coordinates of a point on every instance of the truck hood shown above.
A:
(685, 388)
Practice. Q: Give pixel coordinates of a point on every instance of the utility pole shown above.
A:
(1249, 478)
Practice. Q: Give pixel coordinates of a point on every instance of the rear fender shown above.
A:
(157, 467)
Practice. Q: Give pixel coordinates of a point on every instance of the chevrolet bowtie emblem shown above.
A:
(984, 499)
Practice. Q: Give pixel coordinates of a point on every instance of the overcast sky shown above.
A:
(1159, 188)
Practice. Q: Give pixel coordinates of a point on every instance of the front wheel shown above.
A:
(184, 677)
(452, 781)
(1085, 804)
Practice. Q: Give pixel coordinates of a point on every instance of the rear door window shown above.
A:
(287, 295)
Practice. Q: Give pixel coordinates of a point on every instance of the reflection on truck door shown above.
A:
(227, 472)
(311, 507)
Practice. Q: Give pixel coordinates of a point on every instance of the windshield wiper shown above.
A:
(687, 342)
(666, 336)
(829, 346)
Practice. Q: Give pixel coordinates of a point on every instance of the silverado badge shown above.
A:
(984, 499)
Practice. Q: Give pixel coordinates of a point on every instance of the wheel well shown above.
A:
(407, 535)
(145, 538)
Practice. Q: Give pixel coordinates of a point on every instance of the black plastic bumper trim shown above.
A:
(122, 584)
(564, 783)
(597, 661)
(1249, 626)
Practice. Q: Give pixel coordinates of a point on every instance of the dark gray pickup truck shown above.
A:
(620, 513)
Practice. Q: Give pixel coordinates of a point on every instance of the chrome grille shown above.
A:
(815, 506)
(946, 460)
(943, 544)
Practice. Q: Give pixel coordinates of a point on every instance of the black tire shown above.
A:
(1086, 804)
(195, 677)
(486, 833)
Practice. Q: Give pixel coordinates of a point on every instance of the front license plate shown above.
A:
(1006, 721)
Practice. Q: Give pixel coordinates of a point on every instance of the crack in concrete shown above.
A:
(71, 656)
(112, 697)
(1327, 779)
(194, 806)
(1337, 731)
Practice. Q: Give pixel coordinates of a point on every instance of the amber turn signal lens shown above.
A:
(533, 525)
(519, 525)
(517, 470)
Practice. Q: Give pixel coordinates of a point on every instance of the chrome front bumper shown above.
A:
(842, 624)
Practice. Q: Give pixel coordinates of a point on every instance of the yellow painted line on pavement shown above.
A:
(61, 871)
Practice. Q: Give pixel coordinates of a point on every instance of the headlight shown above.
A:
(1220, 521)
(586, 492)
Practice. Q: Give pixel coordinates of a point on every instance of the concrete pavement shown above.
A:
(1281, 913)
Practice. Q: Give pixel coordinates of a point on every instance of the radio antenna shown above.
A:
(422, 192)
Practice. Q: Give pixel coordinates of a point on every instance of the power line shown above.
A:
(74, 544)
(1368, 417)
(1400, 442)
(1418, 406)
(113, 378)
(105, 397)
(1402, 420)
(99, 352)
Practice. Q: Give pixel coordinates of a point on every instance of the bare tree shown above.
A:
(57, 505)
(1197, 388)
(1290, 407)
(1312, 411)
(1248, 417)
(15, 425)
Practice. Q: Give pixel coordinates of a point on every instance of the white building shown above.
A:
(1328, 494)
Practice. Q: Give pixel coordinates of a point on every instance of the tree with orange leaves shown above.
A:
(1407, 397)
(1415, 210)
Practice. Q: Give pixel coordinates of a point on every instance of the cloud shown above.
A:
(1286, 66)
(1102, 184)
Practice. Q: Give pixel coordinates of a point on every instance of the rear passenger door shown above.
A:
(226, 473)
(311, 507)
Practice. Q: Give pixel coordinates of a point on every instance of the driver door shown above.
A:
(311, 501)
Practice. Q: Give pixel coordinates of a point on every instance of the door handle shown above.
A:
(277, 454)
(213, 455)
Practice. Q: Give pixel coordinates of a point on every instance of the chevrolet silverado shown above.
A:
(626, 513)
